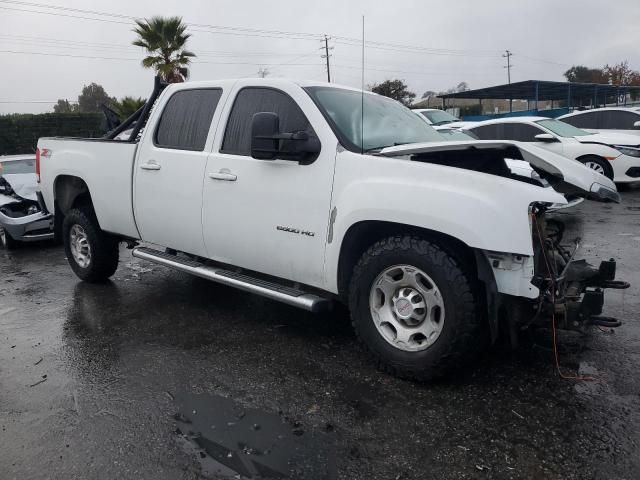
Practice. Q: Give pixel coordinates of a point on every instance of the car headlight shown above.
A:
(604, 194)
(626, 150)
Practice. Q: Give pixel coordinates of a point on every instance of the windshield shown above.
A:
(18, 166)
(452, 134)
(439, 117)
(562, 129)
(386, 122)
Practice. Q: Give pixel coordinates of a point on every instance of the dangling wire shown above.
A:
(553, 311)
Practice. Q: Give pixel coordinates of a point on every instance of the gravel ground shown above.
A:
(162, 376)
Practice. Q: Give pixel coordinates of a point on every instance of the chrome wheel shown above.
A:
(407, 308)
(595, 166)
(80, 248)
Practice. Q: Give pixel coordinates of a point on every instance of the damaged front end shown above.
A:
(21, 217)
(571, 291)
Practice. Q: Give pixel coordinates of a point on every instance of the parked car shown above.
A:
(617, 156)
(21, 219)
(606, 120)
(291, 191)
(435, 118)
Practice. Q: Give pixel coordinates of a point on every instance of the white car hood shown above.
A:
(610, 139)
(23, 184)
(566, 175)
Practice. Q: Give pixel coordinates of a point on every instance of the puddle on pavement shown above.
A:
(231, 441)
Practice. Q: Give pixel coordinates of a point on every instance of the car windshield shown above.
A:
(452, 134)
(439, 117)
(386, 122)
(18, 166)
(562, 129)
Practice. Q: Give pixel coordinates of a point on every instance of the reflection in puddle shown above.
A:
(236, 442)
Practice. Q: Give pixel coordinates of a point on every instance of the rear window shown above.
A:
(18, 166)
(185, 120)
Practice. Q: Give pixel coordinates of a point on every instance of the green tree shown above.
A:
(395, 89)
(127, 106)
(64, 106)
(165, 40)
(92, 97)
(582, 74)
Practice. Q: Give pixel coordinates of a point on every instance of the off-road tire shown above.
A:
(6, 241)
(461, 337)
(104, 246)
(603, 162)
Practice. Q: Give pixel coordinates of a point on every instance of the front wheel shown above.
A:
(92, 253)
(598, 164)
(6, 241)
(414, 308)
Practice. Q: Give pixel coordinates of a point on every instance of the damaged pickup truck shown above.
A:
(21, 219)
(311, 193)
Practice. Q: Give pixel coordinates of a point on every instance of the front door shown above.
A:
(268, 215)
(170, 168)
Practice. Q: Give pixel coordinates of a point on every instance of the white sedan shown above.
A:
(616, 156)
(606, 120)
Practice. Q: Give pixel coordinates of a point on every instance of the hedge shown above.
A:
(19, 133)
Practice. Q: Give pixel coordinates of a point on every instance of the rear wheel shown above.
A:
(414, 308)
(599, 164)
(92, 253)
(6, 241)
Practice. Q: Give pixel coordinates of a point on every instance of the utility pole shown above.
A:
(507, 54)
(326, 56)
(263, 72)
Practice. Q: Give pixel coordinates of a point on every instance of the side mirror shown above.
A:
(268, 143)
(265, 126)
(545, 137)
(636, 124)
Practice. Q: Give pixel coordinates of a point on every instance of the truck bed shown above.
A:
(106, 166)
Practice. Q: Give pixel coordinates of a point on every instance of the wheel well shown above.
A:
(69, 192)
(362, 235)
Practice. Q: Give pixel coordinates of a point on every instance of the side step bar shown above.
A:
(274, 291)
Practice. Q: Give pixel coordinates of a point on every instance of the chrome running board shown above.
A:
(274, 291)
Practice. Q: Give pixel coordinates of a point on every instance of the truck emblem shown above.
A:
(295, 230)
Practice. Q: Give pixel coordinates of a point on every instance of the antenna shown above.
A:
(362, 96)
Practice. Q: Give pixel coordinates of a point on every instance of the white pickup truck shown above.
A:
(311, 193)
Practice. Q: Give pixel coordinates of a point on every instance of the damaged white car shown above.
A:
(311, 193)
(21, 218)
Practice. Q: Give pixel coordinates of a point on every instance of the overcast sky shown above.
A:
(451, 41)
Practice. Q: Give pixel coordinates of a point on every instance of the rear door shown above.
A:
(170, 168)
(269, 215)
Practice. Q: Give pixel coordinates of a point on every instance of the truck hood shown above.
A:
(24, 185)
(610, 139)
(565, 175)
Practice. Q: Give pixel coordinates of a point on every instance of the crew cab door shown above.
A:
(270, 216)
(170, 167)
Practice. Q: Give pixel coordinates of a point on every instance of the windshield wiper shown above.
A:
(377, 149)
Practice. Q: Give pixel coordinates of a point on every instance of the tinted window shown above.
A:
(237, 137)
(616, 120)
(487, 132)
(583, 120)
(186, 119)
(18, 166)
(525, 133)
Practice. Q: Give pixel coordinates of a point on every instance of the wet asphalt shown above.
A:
(158, 375)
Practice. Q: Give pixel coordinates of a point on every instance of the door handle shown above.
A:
(223, 174)
(151, 165)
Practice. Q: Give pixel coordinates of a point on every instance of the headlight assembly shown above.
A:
(626, 150)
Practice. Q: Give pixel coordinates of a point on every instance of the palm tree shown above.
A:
(165, 39)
